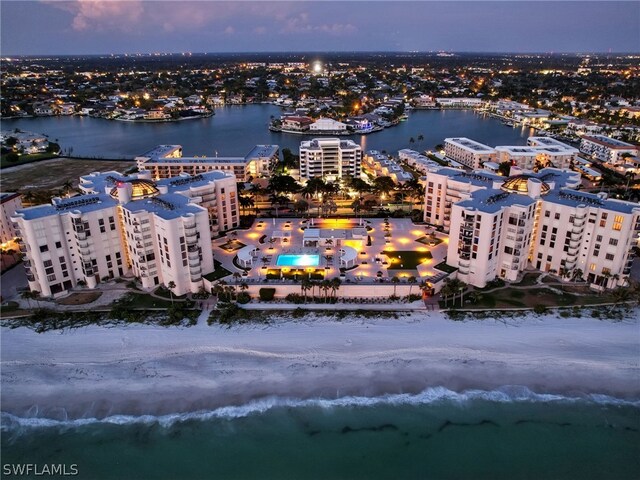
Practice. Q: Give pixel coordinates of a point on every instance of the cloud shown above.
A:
(301, 24)
(103, 15)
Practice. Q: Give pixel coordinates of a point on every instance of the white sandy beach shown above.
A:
(98, 371)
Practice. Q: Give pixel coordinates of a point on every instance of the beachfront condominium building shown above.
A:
(498, 227)
(330, 158)
(166, 161)
(468, 152)
(606, 149)
(159, 232)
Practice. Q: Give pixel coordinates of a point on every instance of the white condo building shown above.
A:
(330, 158)
(416, 160)
(9, 203)
(166, 161)
(378, 165)
(606, 149)
(539, 152)
(498, 227)
(159, 231)
(468, 152)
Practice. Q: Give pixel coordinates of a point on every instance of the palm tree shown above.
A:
(171, 285)
(236, 276)
(445, 291)
(412, 281)
(335, 285)
(246, 202)
(326, 286)
(305, 286)
(620, 295)
(577, 273)
(420, 138)
(395, 280)
(67, 187)
(27, 295)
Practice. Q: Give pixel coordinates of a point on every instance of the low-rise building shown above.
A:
(607, 149)
(328, 125)
(378, 165)
(416, 160)
(468, 152)
(166, 161)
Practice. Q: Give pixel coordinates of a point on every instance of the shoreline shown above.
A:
(145, 370)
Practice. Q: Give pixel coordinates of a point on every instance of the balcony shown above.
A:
(196, 278)
(84, 252)
(83, 244)
(81, 235)
(572, 252)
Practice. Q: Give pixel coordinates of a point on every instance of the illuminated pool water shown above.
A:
(290, 260)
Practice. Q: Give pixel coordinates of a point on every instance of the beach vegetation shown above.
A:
(267, 294)
(243, 298)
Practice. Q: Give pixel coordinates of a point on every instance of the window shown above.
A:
(47, 263)
(613, 241)
(609, 256)
(547, 213)
(592, 267)
(58, 245)
(599, 238)
(44, 248)
(617, 222)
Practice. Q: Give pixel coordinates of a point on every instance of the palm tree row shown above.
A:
(324, 287)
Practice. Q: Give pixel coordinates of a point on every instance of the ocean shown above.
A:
(510, 433)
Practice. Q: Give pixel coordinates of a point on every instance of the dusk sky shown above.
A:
(88, 27)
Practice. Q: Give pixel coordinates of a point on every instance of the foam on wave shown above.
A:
(434, 395)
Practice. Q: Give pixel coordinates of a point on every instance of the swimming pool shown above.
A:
(291, 260)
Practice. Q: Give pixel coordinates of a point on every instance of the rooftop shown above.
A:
(608, 141)
(167, 206)
(492, 200)
(469, 144)
(574, 198)
(82, 203)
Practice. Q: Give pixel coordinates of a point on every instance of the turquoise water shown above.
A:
(291, 260)
(235, 130)
(438, 434)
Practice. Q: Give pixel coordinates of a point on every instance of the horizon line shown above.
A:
(317, 52)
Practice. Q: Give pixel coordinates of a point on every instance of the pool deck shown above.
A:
(403, 237)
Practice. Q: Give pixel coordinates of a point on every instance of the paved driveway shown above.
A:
(11, 281)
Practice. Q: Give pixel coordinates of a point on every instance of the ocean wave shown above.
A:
(434, 395)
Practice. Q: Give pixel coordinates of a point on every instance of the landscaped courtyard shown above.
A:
(357, 251)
